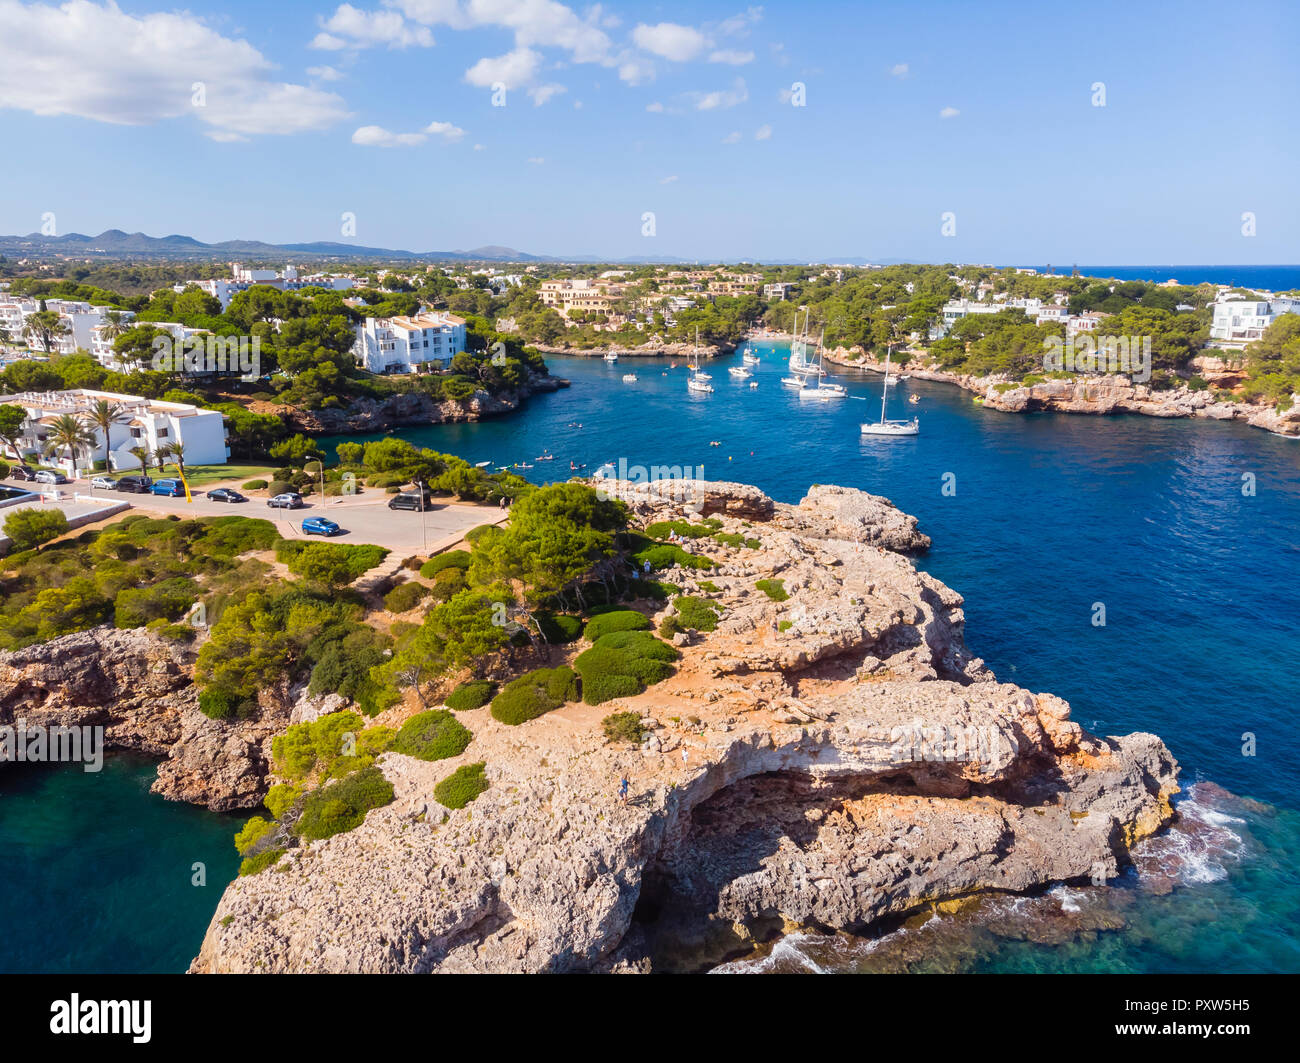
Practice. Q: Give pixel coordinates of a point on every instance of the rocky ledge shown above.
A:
(137, 686)
(650, 349)
(1098, 395)
(413, 408)
(826, 760)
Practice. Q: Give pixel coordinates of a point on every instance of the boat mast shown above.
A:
(884, 389)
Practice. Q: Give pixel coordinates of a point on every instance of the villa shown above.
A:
(1238, 320)
(144, 423)
(418, 344)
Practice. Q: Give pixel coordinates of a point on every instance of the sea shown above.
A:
(1260, 278)
(1182, 536)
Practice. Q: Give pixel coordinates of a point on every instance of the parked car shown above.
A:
(170, 487)
(49, 476)
(105, 483)
(225, 494)
(288, 500)
(22, 473)
(410, 500)
(135, 485)
(319, 526)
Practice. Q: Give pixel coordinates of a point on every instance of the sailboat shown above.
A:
(697, 381)
(822, 389)
(749, 357)
(612, 356)
(890, 428)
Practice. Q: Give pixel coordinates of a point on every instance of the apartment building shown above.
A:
(1238, 320)
(144, 423)
(593, 297)
(287, 280)
(420, 344)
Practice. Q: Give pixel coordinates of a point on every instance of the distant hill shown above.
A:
(113, 243)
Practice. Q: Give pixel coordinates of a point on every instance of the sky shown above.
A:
(1009, 133)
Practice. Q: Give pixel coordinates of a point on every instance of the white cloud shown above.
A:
(445, 130)
(667, 180)
(577, 105)
(655, 108)
(949, 112)
(541, 93)
(732, 58)
(536, 160)
(764, 132)
(350, 27)
(898, 70)
(721, 98)
(96, 61)
(515, 70)
(480, 147)
(536, 23)
(324, 73)
(375, 136)
(635, 71)
(669, 40)
(732, 138)
(739, 24)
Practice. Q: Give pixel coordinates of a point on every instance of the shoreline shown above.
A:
(1095, 395)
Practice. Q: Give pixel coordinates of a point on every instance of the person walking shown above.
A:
(684, 758)
(622, 790)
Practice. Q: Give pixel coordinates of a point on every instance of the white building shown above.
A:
(287, 280)
(102, 345)
(145, 422)
(777, 290)
(418, 344)
(1239, 321)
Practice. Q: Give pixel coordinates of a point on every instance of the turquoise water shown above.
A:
(97, 873)
(1051, 514)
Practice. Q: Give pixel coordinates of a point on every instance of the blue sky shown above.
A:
(384, 109)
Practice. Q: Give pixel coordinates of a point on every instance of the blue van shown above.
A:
(173, 488)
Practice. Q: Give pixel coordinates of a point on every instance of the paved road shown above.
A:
(364, 518)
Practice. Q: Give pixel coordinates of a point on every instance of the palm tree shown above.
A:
(45, 325)
(68, 432)
(114, 325)
(176, 452)
(143, 455)
(103, 414)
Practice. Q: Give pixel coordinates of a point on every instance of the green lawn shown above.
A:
(201, 475)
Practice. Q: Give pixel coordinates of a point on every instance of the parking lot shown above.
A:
(363, 518)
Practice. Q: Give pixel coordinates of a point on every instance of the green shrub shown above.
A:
(280, 798)
(341, 806)
(432, 735)
(773, 588)
(534, 694)
(709, 586)
(4, 469)
(471, 695)
(728, 538)
(670, 626)
(660, 528)
(785, 625)
(619, 620)
(666, 555)
(623, 727)
(253, 832)
(218, 704)
(404, 597)
(253, 864)
(696, 613)
(168, 600)
(278, 487)
(254, 485)
(559, 628)
(753, 544)
(461, 787)
(29, 528)
(623, 663)
(452, 559)
(447, 584)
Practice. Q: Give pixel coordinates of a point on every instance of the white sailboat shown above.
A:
(883, 427)
(694, 367)
(749, 357)
(611, 356)
(823, 389)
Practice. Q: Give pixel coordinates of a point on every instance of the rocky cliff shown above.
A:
(137, 686)
(413, 408)
(830, 755)
(1103, 394)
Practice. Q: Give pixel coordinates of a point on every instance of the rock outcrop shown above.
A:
(1103, 394)
(138, 687)
(828, 756)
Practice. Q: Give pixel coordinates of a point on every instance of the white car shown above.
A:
(106, 483)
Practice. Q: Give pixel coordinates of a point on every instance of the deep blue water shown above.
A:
(98, 875)
(1052, 513)
(1268, 278)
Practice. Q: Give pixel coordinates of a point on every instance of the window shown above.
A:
(161, 433)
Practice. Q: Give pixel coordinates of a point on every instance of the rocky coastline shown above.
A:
(365, 415)
(830, 756)
(645, 350)
(1096, 394)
